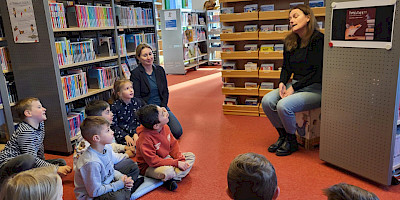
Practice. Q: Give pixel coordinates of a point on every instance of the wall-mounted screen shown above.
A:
(364, 24)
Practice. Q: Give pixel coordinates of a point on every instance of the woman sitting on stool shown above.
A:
(302, 57)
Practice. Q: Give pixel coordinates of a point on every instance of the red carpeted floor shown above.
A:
(216, 139)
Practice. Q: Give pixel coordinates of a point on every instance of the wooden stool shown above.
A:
(308, 126)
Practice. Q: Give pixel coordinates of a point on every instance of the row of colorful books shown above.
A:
(12, 91)
(190, 19)
(90, 16)
(102, 77)
(75, 84)
(74, 52)
(5, 59)
(57, 14)
(75, 118)
(133, 16)
(191, 35)
(133, 40)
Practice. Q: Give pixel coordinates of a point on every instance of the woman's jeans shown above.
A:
(174, 125)
(281, 112)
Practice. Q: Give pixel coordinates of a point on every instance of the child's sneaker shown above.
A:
(136, 184)
(171, 185)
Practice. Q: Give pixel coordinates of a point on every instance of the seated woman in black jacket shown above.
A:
(150, 84)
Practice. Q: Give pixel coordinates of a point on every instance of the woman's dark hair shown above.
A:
(291, 40)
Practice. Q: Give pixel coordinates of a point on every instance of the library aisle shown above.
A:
(216, 139)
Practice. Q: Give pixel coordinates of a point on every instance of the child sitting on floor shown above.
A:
(34, 184)
(95, 176)
(158, 153)
(124, 164)
(344, 191)
(252, 176)
(124, 107)
(25, 149)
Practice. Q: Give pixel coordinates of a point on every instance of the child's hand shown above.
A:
(129, 148)
(128, 182)
(64, 170)
(135, 138)
(183, 165)
(129, 141)
(130, 153)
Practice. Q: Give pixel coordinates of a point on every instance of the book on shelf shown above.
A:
(57, 14)
(133, 16)
(250, 8)
(74, 121)
(267, 7)
(125, 71)
(102, 77)
(12, 91)
(74, 84)
(133, 40)
(106, 47)
(5, 59)
(63, 50)
(84, 16)
(83, 51)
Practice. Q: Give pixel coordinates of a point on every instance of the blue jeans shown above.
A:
(174, 125)
(281, 112)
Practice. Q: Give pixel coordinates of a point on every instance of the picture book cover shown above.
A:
(360, 24)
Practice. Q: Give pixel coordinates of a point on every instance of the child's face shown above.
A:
(126, 92)
(37, 111)
(107, 114)
(106, 135)
(162, 115)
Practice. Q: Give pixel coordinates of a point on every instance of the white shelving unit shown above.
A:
(182, 52)
(213, 37)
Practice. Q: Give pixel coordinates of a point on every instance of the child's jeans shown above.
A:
(169, 172)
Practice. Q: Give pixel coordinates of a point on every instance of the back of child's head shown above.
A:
(91, 126)
(41, 183)
(148, 116)
(24, 104)
(96, 107)
(344, 191)
(251, 176)
(118, 85)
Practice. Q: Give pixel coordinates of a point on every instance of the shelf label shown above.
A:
(170, 20)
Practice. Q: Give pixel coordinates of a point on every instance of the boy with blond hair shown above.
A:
(25, 149)
(252, 176)
(158, 153)
(95, 176)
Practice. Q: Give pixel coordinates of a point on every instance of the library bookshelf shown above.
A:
(241, 56)
(188, 36)
(38, 71)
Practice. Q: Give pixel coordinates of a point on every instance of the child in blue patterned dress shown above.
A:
(124, 107)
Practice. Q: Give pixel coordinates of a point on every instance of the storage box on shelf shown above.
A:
(267, 28)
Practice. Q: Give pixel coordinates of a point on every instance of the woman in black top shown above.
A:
(302, 58)
(150, 84)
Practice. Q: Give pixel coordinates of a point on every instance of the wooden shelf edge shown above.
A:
(99, 59)
(11, 104)
(2, 39)
(7, 71)
(90, 93)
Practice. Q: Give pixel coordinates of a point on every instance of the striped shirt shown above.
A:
(25, 139)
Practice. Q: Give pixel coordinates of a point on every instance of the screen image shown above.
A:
(363, 24)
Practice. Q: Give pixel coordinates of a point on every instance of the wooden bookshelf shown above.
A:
(262, 92)
(7, 71)
(226, 1)
(247, 110)
(240, 73)
(98, 59)
(273, 35)
(2, 39)
(238, 17)
(239, 55)
(284, 14)
(240, 91)
(270, 55)
(271, 74)
(141, 26)
(239, 36)
(1, 105)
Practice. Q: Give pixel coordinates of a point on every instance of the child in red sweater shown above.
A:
(157, 150)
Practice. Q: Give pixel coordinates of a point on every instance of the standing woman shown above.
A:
(150, 84)
(302, 58)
